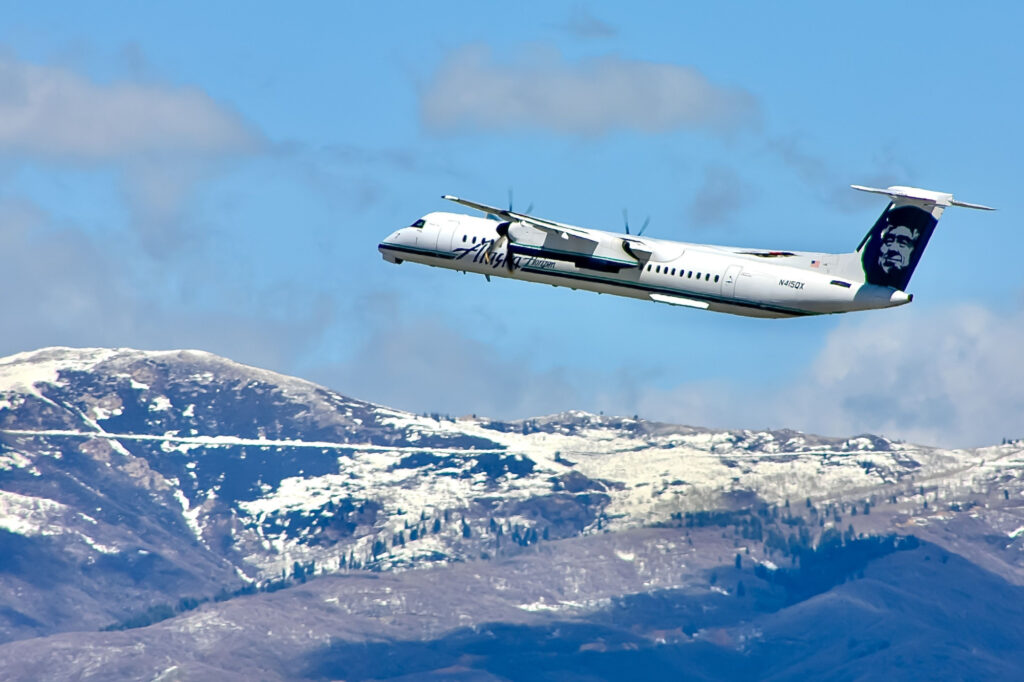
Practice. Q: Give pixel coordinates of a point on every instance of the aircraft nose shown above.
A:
(396, 237)
(390, 247)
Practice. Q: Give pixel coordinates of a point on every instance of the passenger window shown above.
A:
(716, 278)
(657, 269)
(673, 271)
(474, 240)
(463, 238)
(689, 274)
(698, 275)
(707, 277)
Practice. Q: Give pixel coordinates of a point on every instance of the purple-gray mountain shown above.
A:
(177, 516)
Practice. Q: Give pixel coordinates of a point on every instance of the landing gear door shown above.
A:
(729, 280)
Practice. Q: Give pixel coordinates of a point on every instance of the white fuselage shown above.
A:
(721, 279)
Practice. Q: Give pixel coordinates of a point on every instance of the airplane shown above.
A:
(749, 282)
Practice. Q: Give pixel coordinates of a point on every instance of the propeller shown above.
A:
(625, 220)
(502, 230)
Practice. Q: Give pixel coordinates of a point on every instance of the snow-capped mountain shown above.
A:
(131, 478)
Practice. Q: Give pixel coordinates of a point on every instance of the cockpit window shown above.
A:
(418, 223)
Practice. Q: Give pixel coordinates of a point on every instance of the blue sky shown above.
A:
(218, 177)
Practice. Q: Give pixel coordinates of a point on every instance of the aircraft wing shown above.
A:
(550, 226)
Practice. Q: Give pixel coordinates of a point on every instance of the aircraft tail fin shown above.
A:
(891, 250)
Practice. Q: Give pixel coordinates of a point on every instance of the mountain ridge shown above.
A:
(138, 480)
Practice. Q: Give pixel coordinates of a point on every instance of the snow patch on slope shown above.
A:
(23, 371)
(27, 515)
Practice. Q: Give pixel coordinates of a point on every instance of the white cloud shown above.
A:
(64, 287)
(53, 112)
(952, 377)
(163, 140)
(542, 90)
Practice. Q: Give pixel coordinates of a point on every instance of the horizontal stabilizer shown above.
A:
(964, 204)
(679, 300)
(897, 192)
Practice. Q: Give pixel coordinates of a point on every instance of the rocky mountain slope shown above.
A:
(139, 482)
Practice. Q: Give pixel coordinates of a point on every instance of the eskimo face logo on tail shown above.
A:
(896, 244)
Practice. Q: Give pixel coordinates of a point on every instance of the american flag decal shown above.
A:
(815, 263)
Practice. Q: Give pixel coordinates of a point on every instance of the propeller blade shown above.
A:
(502, 230)
(491, 248)
(511, 204)
(625, 221)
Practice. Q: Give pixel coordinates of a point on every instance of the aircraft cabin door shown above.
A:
(729, 281)
(445, 236)
(436, 236)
